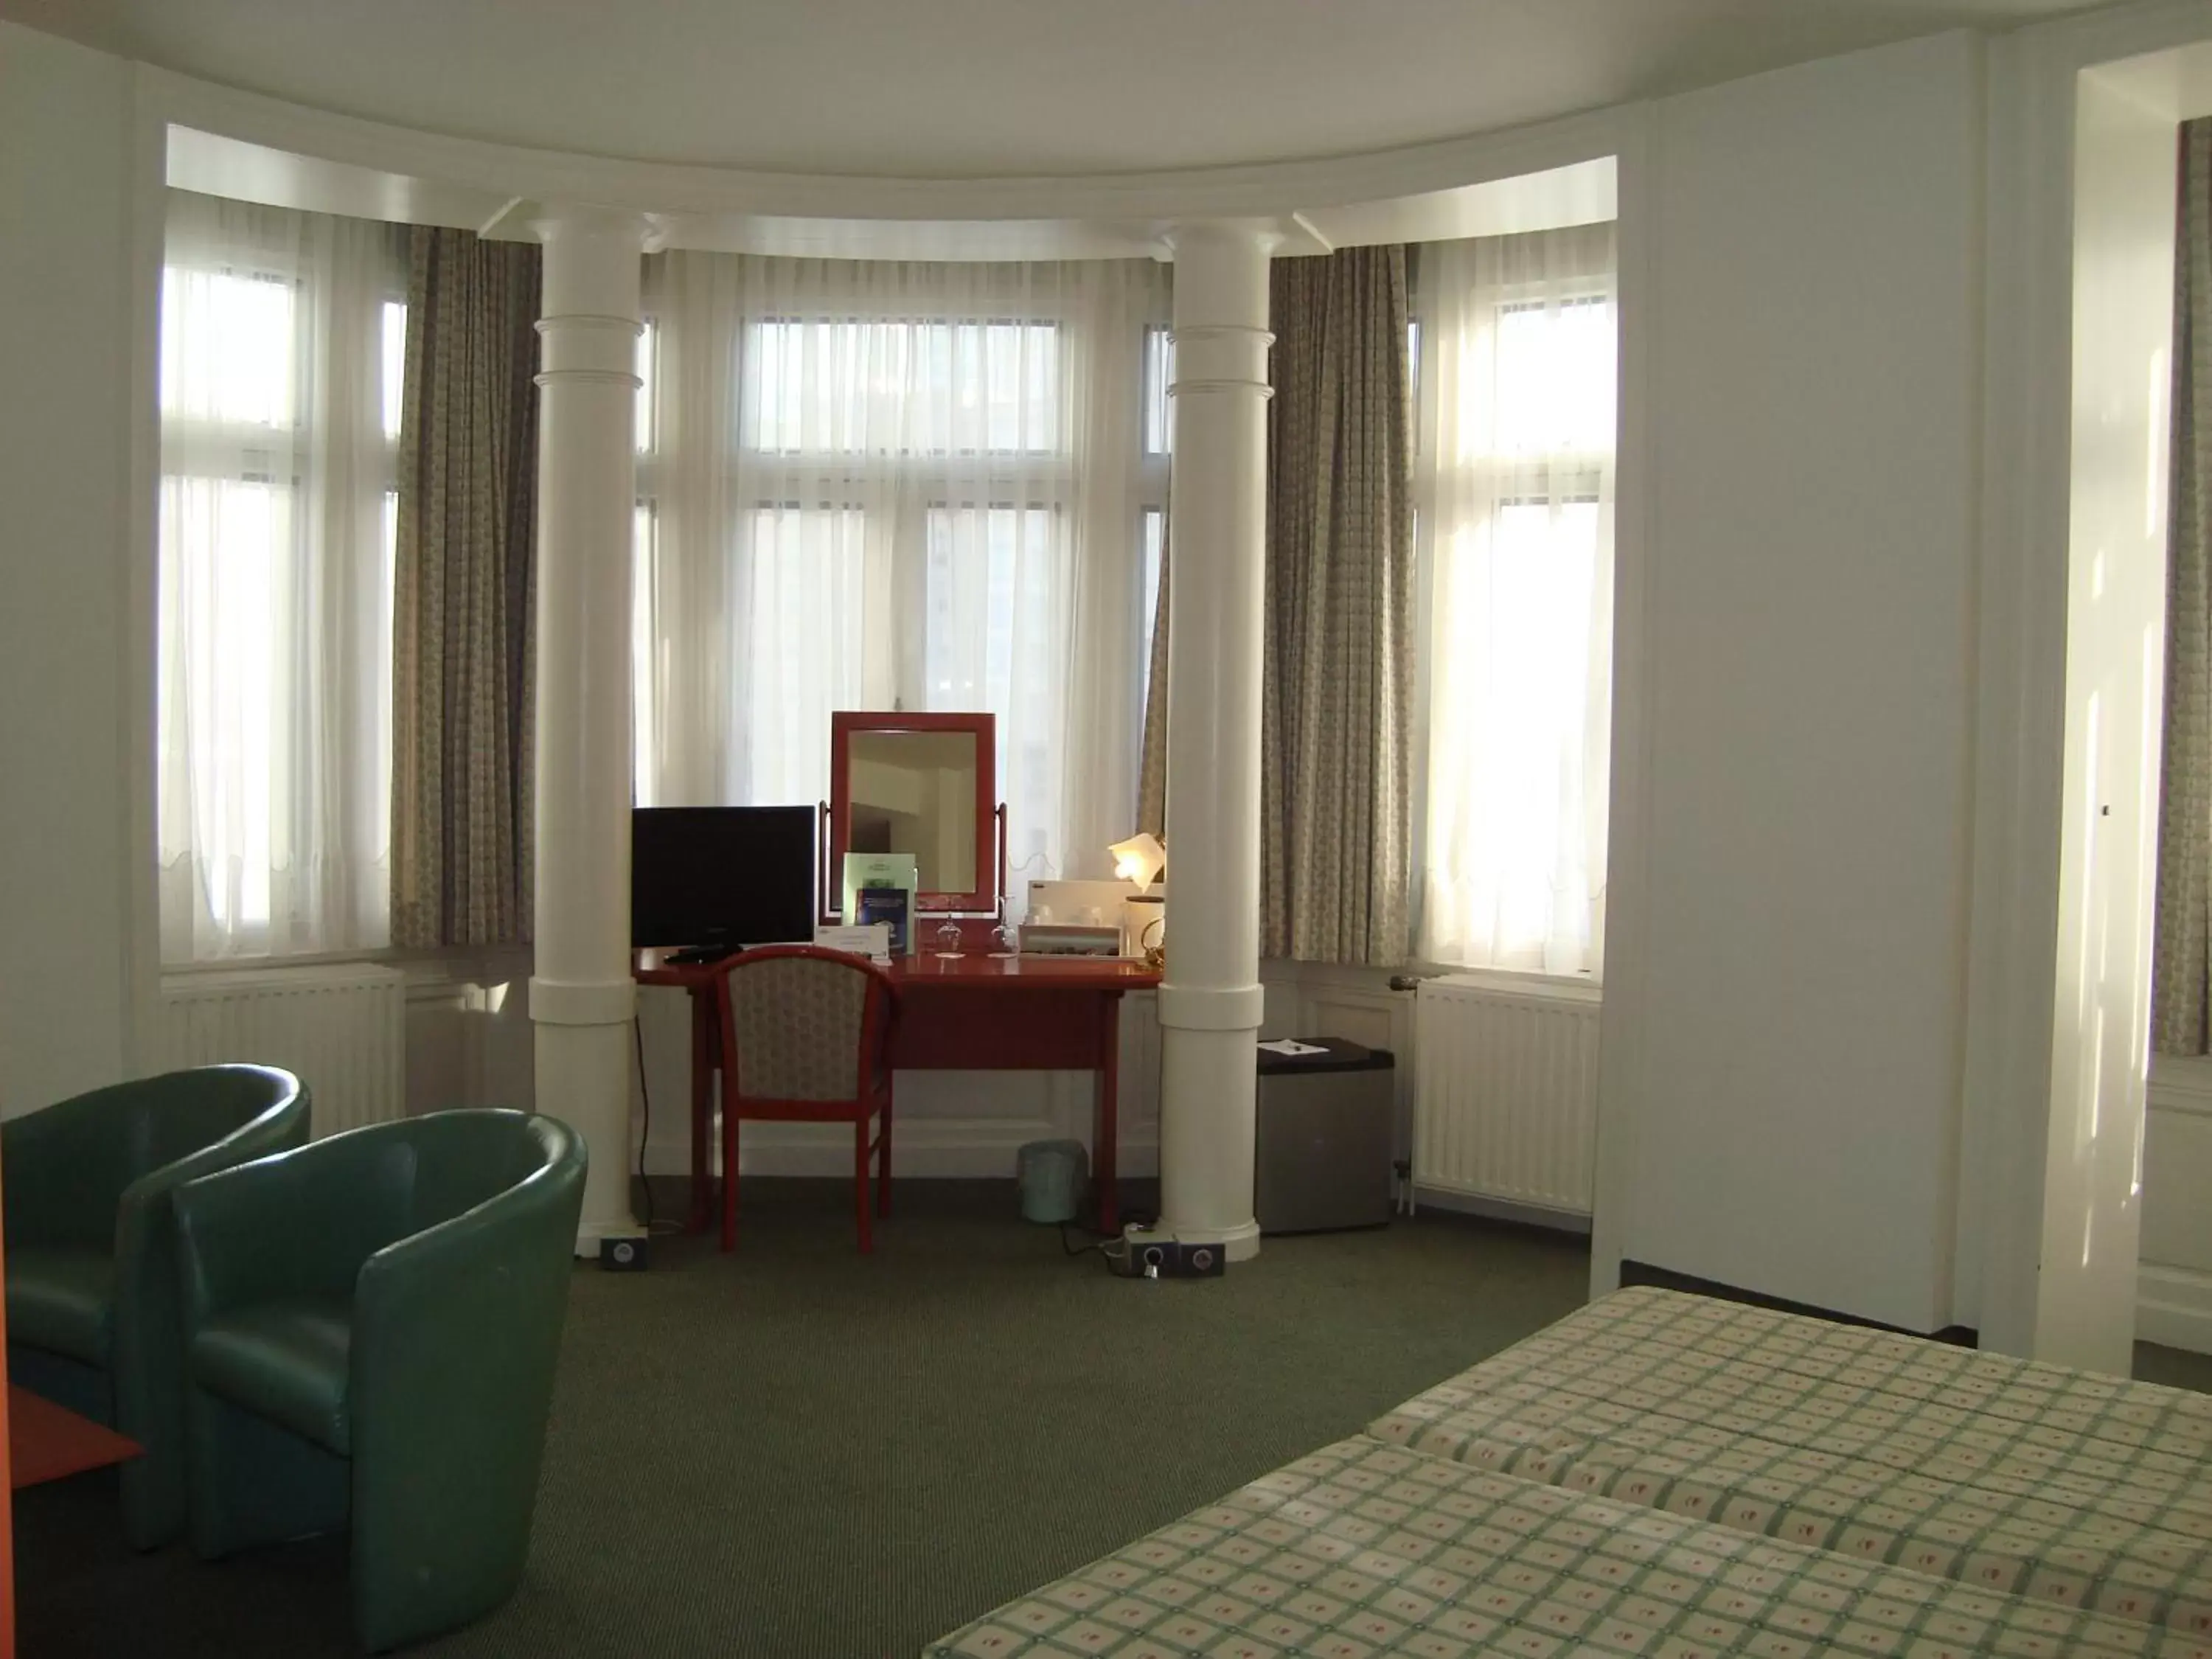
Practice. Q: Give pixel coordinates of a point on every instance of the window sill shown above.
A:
(1509, 976)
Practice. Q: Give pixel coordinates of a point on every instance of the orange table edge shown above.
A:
(46, 1442)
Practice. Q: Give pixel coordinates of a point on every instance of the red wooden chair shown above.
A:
(806, 1038)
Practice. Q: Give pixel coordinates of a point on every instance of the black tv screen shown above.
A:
(721, 875)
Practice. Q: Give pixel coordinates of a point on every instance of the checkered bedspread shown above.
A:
(2064, 1487)
(1365, 1548)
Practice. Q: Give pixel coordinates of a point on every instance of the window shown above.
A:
(282, 339)
(641, 651)
(927, 454)
(1154, 461)
(645, 529)
(967, 387)
(392, 366)
(806, 644)
(994, 598)
(1159, 400)
(648, 382)
(1514, 510)
(868, 493)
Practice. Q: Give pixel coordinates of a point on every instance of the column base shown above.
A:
(590, 1233)
(1209, 1079)
(1238, 1243)
(583, 1081)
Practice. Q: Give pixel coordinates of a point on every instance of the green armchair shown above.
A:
(93, 1319)
(371, 1325)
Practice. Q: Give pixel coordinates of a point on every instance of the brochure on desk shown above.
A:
(872, 942)
(879, 887)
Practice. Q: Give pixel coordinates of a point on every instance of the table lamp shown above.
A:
(1139, 860)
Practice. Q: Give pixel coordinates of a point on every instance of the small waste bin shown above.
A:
(1323, 1159)
(1051, 1174)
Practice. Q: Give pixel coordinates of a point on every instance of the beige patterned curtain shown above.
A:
(2179, 967)
(1152, 765)
(465, 594)
(1336, 699)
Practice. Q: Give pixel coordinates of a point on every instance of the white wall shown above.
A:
(1791, 1100)
(71, 972)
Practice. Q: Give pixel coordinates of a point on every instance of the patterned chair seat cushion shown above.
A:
(1364, 1549)
(2070, 1488)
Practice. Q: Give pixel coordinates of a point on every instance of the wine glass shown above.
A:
(1007, 935)
(948, 937)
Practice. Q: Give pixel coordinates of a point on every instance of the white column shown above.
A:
(581, 996)
(1211, 1002)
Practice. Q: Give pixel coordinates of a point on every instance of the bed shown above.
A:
(1365, 1549)
(2059, 1486)
(1669, 1475)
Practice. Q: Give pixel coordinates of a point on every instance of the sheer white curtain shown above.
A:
(279, 401)
(878, 485)
(1516, 480)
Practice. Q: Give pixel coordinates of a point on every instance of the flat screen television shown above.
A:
(723, 876)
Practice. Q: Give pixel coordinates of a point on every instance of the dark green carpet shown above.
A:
(795, 1451)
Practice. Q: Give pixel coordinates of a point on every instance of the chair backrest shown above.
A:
(179, 1112)
(805, 1023)
(69, 1164)
(423, 1170)
(349, 1198)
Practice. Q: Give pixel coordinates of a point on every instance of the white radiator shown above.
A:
(341, 1028)
(1506, 1099)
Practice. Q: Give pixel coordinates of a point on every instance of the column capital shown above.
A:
(575, 221)
(1203, 235)
(587, 300)
(1220, 326)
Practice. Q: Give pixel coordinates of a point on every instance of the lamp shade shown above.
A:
(1139, 859)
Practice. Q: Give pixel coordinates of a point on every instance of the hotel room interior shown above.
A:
(993, 829)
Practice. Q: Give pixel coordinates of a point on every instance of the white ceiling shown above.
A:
(968, 88)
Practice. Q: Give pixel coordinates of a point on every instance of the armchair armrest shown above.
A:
(477, 1284)
(298, 1222)
(456, 1337)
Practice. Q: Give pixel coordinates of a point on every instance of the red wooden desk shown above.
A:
(975, 1012)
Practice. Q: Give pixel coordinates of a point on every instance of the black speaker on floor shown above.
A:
(623, 1255)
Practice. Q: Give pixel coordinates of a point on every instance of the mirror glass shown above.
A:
(915, 791)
